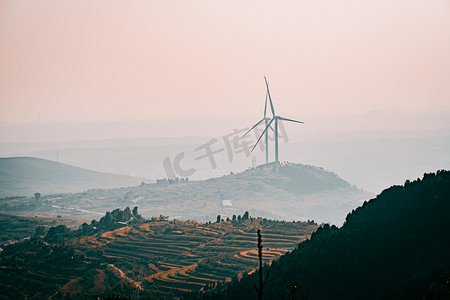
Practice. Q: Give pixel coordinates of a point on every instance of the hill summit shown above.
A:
(300, 192)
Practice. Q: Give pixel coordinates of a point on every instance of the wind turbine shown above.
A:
(266, 119)
(274, 118)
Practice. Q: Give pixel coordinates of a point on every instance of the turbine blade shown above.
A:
(253, 127)
(265, 106)
(267, 127)
(270, 98)
(289, 120)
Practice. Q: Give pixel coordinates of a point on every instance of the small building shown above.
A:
(227, 203)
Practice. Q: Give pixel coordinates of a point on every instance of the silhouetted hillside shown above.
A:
(395, 246)
(25, 176)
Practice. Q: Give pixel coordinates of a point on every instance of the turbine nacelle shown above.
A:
(276, 118)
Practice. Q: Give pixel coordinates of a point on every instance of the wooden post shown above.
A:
(260, 265)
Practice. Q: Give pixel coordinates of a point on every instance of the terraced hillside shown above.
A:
(153, 258)
(183, 256)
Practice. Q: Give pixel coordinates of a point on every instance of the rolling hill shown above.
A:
(24, 176)
(301, 192)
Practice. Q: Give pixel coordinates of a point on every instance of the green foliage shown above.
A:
(111, 219)
(127, 214)
(37, 196)
(57, 234)
(135, 211)
(40, 231)
(245, 216)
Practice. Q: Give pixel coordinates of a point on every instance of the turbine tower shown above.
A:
(274, 118)
(266, 119)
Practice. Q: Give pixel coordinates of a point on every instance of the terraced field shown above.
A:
(179, 256)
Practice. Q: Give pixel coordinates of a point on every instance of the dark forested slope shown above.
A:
(396, 246)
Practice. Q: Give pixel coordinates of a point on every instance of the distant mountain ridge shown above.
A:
(24, 176)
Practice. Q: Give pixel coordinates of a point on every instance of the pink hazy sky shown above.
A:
(85, 61)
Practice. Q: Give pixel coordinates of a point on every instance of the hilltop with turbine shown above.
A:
(299, 192)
